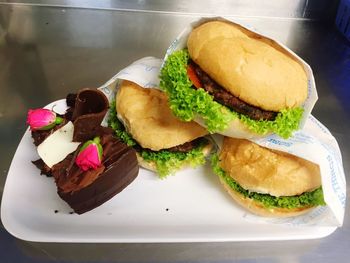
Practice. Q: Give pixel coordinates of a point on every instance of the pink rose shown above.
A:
(90, 155)
(42, 119)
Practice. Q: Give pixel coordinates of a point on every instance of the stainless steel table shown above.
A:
(49, 51)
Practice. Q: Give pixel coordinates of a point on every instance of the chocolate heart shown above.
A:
(86, 190)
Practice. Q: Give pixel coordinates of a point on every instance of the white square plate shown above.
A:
(190, 206)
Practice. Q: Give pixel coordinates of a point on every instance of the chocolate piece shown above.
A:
(90, 108)
(70, 99)
(39, 136)
(86, 109)
(87, 190)
(44, 169)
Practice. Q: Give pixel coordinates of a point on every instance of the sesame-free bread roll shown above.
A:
(263, 170)
(269, 178)
(251, 67)
(147, 117)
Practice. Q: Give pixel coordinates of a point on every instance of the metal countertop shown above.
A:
(47, 52)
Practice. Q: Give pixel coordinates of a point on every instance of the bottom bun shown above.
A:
(236, 129)
(153, 167)
(145, 164)
(258, 209)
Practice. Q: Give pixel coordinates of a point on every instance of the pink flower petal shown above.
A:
(40, 118)
(88, 158)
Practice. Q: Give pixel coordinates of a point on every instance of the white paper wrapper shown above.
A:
(181, 42)
(144, 72)
(316, 144)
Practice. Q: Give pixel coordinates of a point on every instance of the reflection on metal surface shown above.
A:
(314, 9)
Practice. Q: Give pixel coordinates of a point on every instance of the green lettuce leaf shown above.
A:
(166, 162)
(307, 199)
(118, 127)
(187, 103)
(169, 162)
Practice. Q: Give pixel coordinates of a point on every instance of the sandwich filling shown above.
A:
(214, 104)
(224, 97)
(304, 200)
(167, 161)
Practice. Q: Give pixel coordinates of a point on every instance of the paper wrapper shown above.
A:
(314, 143)
(144, 72)
(181, 42)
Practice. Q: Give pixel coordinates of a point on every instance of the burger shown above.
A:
(268, 182)
(142, 119)
(235, 82)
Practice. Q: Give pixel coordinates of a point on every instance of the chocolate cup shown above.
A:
(90, 108)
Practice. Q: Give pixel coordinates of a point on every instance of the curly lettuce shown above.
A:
(118, 127)
(166, 162)
(169, 162)
(307, 199)
(186, 103)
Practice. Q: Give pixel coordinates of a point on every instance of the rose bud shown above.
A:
(42, 119)
(90, 155)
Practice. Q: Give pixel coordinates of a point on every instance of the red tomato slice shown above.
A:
(193, 77)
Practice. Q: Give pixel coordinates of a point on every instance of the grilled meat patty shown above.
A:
(226, 98)
(186, 147)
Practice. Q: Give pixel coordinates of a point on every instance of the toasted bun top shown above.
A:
(263, 170)
(148, 118)
(251, 67)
